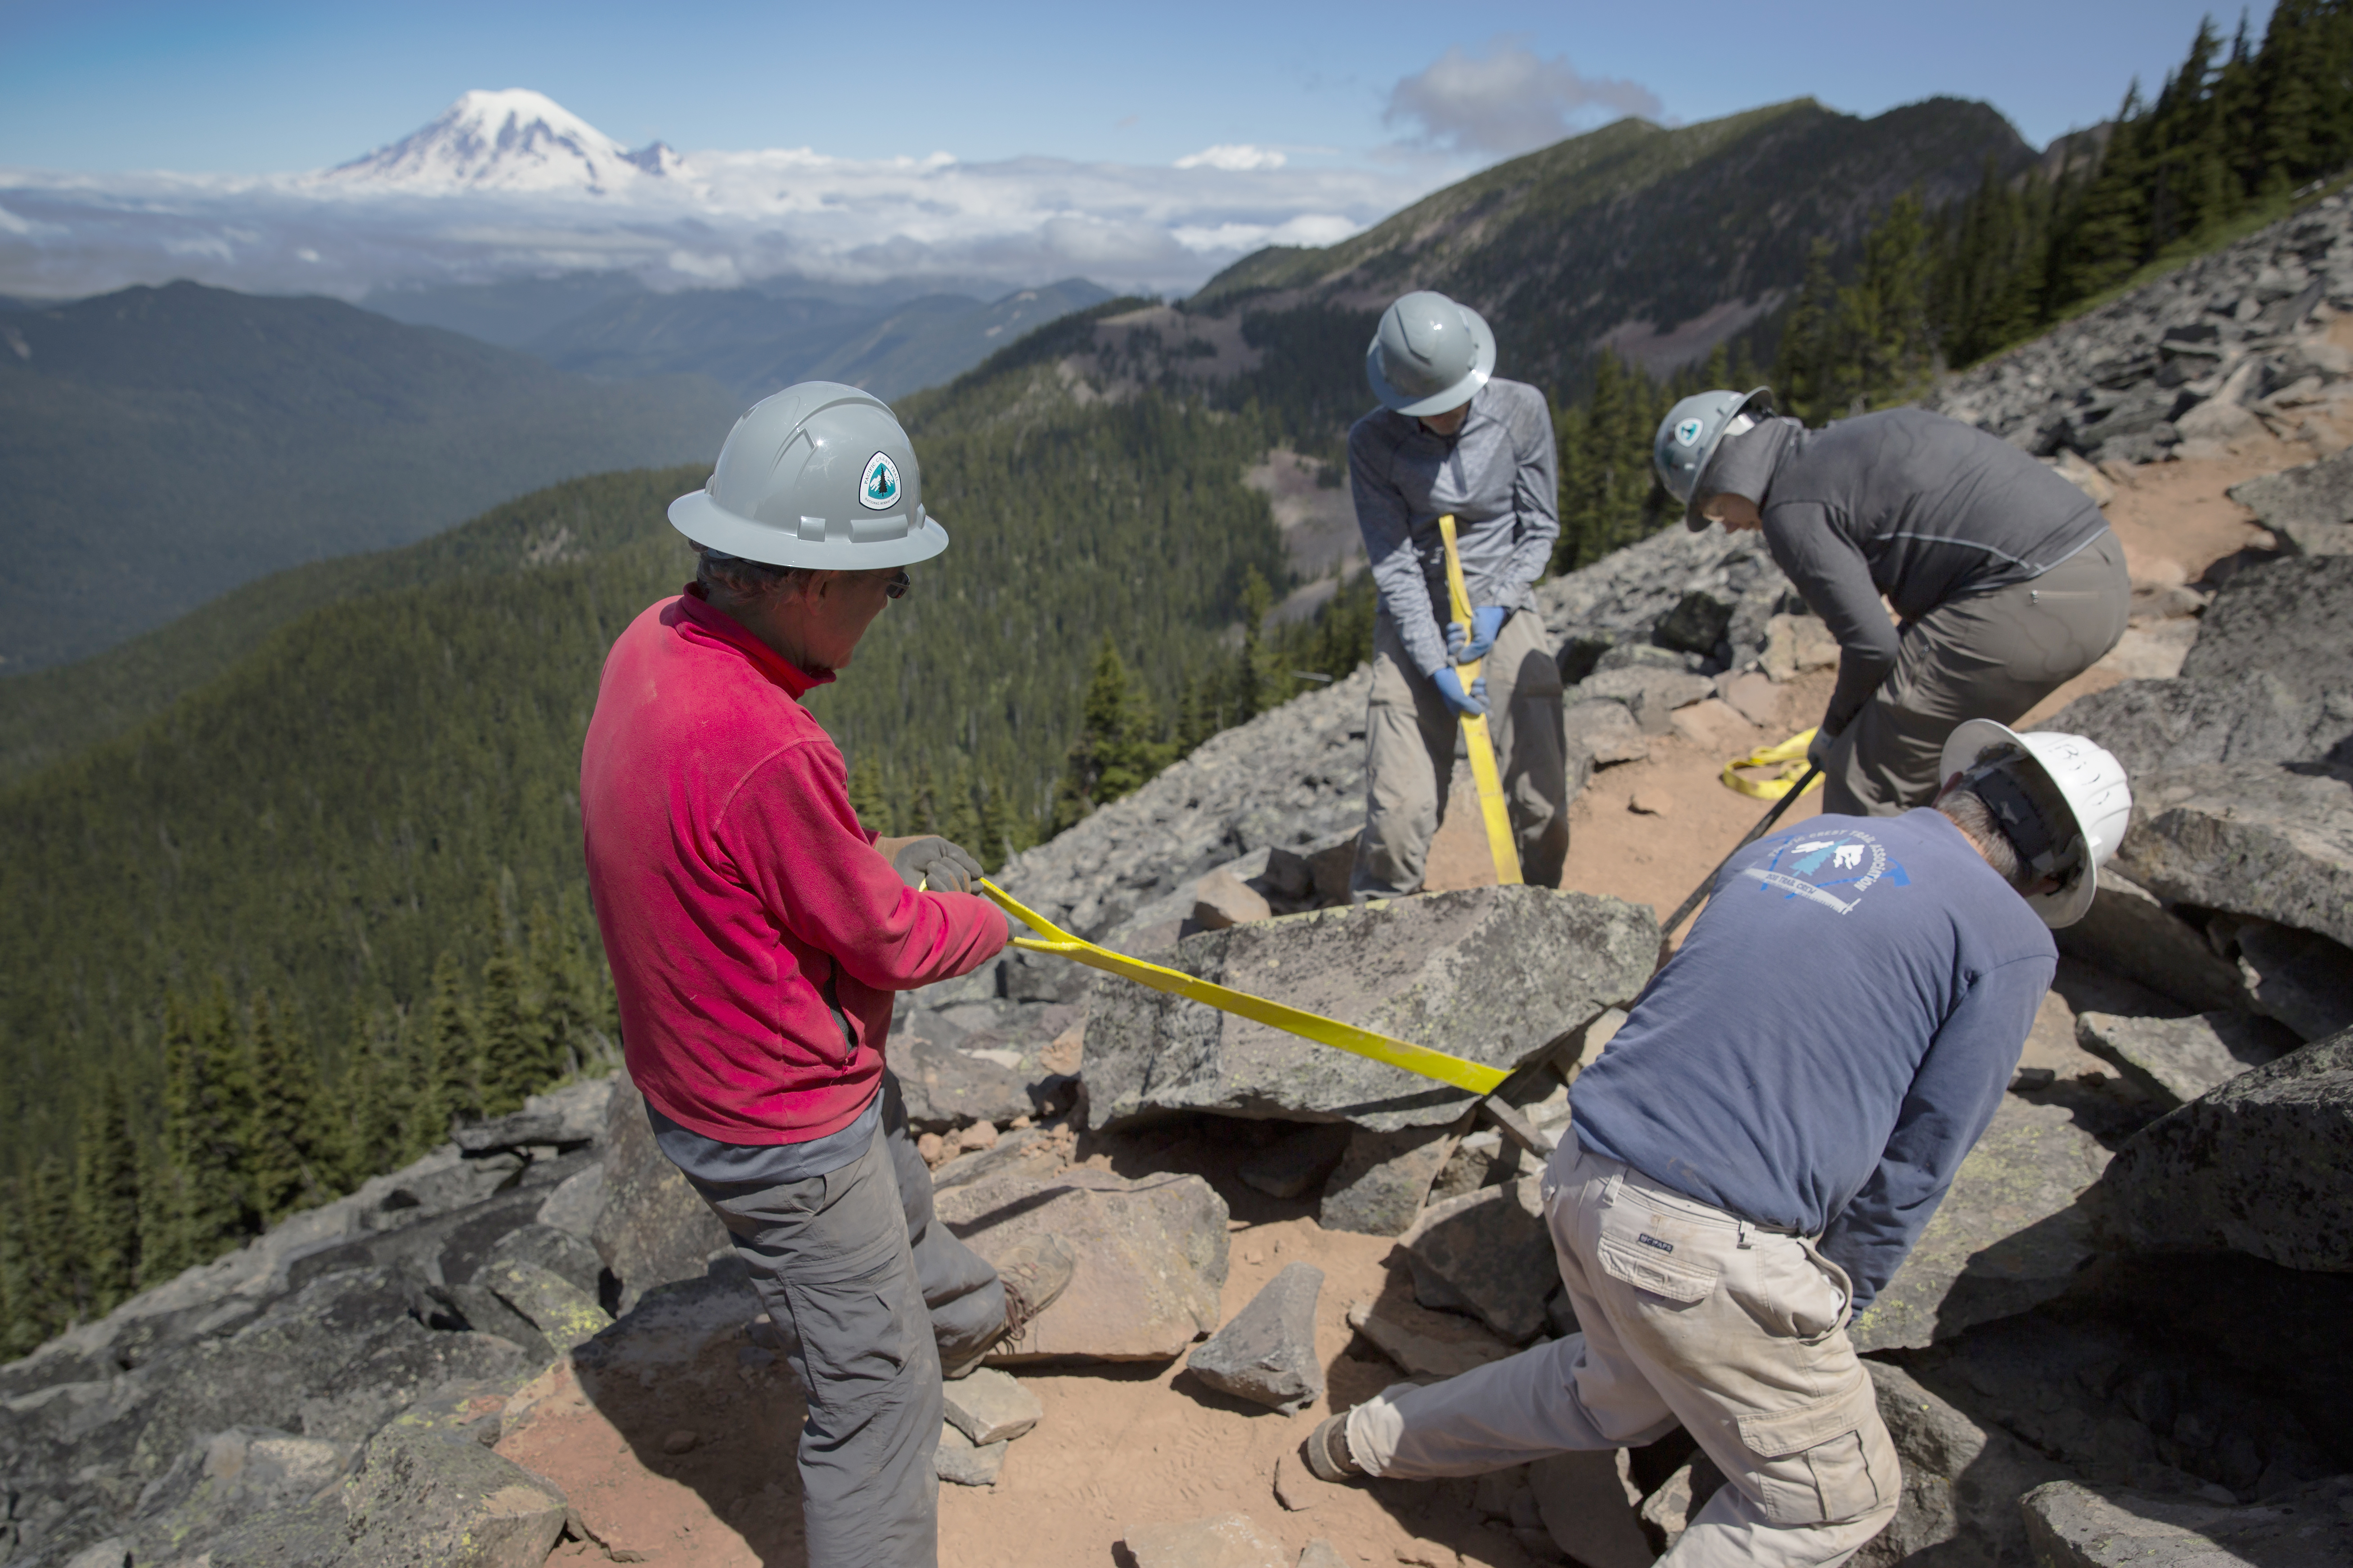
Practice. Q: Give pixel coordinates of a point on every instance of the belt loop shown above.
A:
(1741, 1226)
(1609, 1188)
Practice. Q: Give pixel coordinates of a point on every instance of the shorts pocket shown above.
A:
(1822, 1462)
(1657, 1272)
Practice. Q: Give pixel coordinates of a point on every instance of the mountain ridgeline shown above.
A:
(160, 447)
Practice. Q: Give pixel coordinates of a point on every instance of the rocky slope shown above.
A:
(2124, 1324)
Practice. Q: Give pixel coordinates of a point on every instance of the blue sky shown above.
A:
(114, 85)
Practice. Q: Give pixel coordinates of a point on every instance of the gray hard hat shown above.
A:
(820, 476)
(1429, 355)
(1689, 436)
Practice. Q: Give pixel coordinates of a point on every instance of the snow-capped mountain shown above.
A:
(516, 141)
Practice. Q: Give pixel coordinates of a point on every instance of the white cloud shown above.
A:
(1238, 157)
(703, 219)
(1507, 100)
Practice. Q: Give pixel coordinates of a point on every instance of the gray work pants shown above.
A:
(1982, 655)
(1690, 1315)
(870, 1294)
(1409, 736)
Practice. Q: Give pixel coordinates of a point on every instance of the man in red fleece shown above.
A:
(757, 933)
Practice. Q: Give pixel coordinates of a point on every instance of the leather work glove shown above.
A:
(1818, 750)
(1487, 622)
(1470, 704)
(948, 868)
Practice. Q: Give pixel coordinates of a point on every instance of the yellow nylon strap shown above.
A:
(1481, 746)
(1473, 1076)
(1791, 756)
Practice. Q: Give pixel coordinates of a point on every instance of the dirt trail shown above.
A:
(1148, 1444)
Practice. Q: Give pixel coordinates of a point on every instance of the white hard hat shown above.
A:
(2065, 775)
(819, 475)
(1429, 355)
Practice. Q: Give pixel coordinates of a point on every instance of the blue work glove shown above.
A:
(1486, 621)
(1470, 704)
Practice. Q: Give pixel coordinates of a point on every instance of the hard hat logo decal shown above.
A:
(878, 490)
(1687, 433)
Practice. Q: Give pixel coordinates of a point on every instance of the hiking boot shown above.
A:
(1328, 1456)
(1034, 1275)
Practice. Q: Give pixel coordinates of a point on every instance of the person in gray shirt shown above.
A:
(2005, 577)
(1450, 438)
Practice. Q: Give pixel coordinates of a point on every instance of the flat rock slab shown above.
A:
(2009, 1234)
(651, 1228)
(1224, 1541)
(425, 1495)
(1152, 1259)
(1443, 970)
(1009, 1152)
(2262, 1166)
(966, 1463)
(989, 1407)
(1383, 1179)
(1492, 1249)
(2127, 932)
(2313, 492)
(946, 1088)
(2178, 1059)
(2298, 978)
(2274, 840)
(2074, 1526)
(1962, 1481)
(1423, 1343)
(1267, 1355)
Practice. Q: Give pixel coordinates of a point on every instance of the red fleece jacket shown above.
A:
(733, 884)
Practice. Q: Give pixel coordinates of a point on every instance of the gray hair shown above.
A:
(733, 575)
(1968, 812)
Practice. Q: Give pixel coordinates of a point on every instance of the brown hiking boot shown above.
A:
(1328, 1456)
(1034, 1274)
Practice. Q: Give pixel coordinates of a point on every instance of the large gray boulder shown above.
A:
(2319, 492)
(423, 1493)
(1450, 970)
(2009, 1234)
(651, 1229)
(2073, 1526)
(2298, 978)
(2175, 1060)
(2262, 1166)
(1491, 1247)
(1151, 1258)
(1962, 1481)
(2269, 839)
(2129, 932)
(947, 1087)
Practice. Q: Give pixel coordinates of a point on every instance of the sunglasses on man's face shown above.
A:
(899, 583)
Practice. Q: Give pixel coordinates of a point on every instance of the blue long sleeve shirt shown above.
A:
(1833, 1038)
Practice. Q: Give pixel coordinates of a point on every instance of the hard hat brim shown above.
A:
(1700, 492)
(705, 522)
(1483, 367)
(1968, 740)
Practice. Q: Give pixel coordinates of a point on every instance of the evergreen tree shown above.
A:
(284, 1148)
(1118, 747)
(165, 1242)
(514, 1056)
(107, 1177)
(20, 1314)
(560, 990)
(452, 1053)
(867, 797)
(57, 1279)
(381, 1099)
(217, 1206)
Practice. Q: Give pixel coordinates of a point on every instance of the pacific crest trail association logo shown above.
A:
(1803, 868)
(1687, 433)
(879, 488)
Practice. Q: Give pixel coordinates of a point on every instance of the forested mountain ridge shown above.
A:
(1659, 243)
(159, 446)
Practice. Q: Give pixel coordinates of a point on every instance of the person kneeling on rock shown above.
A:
(1757, 1149)
(756, 933)
(2007, 577)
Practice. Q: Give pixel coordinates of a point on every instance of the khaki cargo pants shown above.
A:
(1409, 739)
(1982, 655)
(1689, 1315)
